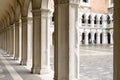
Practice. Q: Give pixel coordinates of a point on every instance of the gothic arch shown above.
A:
(108, 19)
(83, 38)
(108, 38)
(83, 18)
(89, 38)
(95, 38)
(95, 19)
(89, 19)
(101, 20)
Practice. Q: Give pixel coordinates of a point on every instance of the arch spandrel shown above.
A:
(36, 4)
(17, 13)
(24, 8)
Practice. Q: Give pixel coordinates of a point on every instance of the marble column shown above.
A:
(66, 55)
(80, 38)
(92, 22)
(45, 41)
(36, 59)
(104, 38)
(29, 43)
(16, 47)
(111, 38)
(11, 44)
(12, 38)
(4, 40)
(24, 41)
(86, 39)
(98, 38)
(92, 35)
(104, 21)
(8, 35)
(20, 40)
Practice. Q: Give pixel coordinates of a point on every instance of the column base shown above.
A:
(29, 64)
(16, 58)
(22, 62)
(46, 71)
(35, 70)
(46, 74)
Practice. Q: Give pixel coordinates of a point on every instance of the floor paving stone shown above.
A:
(96, 62)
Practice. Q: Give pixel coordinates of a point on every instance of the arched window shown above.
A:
(108, 19)
(83, 18)
(95, 20)
(101, 19)
(53, 17)
(89, 19)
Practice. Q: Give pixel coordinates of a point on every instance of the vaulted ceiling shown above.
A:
(8, 9)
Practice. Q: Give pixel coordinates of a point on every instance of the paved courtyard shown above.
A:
(96, 62)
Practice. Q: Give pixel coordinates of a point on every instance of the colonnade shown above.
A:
(95, 28)
(27, 39)
(96, 38)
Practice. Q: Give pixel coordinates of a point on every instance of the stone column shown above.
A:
(80, 19)
(11, 38)
(86, 38)
(66, 56)
(8, 41)
(24, 41)
(45, 41)
(20, 39)
(111, 38)
(86, 22)
(98, 38)
(8, 46)
(92, 38)
(116, 40)
(92, 22)
(16, 47)
(29, 42)
(104, 38)
(4, 40)
(80, 37)
(36, 64)
(98, 23)
(104, 21)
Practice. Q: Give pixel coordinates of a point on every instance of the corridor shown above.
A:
(10, 69)
(96, 63)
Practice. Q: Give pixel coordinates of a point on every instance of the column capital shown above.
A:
(36, 13)
(46, 12)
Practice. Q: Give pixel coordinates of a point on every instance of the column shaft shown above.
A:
(16, 47)
(98, 38)
(36, 64)
(66, 55)
(86, 38)
(24, 41)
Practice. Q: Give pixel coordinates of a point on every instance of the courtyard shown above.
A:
(96, 62)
